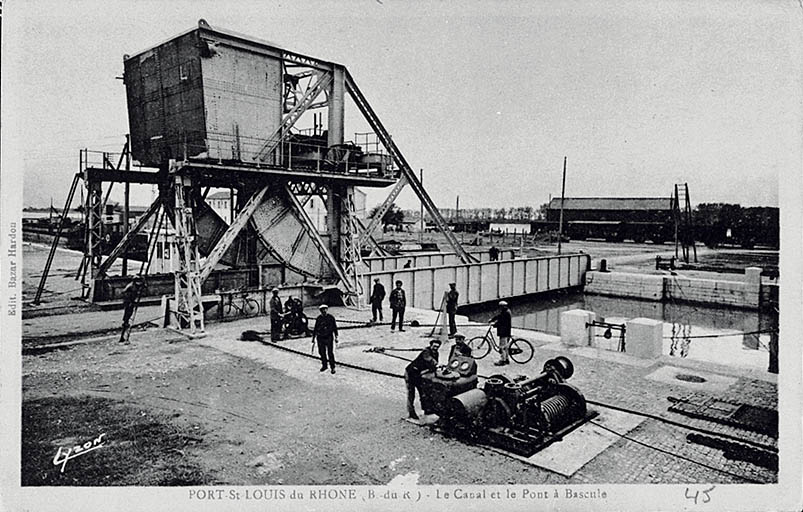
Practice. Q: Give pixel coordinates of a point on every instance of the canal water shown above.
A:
(733, 337)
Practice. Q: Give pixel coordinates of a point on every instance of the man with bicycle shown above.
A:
(503, 323)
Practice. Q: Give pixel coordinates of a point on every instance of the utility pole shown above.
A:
(562, 198)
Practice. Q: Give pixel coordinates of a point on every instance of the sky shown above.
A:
(486, 97)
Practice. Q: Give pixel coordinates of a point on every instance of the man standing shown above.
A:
(503, 322)
(325, 332)
(377, 296)
(494, 253)
(398, 301)
(131, 294)
(426, 361)
(451, 307)
(276, 316)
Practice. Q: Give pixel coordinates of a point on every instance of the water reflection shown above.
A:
(727, 336)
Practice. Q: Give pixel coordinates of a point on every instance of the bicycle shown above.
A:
(247, 306)
(520, 350)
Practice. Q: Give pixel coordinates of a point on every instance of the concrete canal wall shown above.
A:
(746, 293)
(482, 282)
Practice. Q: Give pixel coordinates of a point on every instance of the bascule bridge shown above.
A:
(214, 109)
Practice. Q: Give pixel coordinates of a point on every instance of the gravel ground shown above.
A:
(269, 417)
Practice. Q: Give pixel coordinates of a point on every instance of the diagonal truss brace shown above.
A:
(290, 119)
(382, 210)
(231, 233)
(363, 238)
(406, 170)
(123, 244)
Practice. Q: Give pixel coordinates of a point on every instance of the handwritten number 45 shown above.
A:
(702, 496)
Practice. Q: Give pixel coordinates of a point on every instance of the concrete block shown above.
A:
(753, 275)
(573, 330)
(644, 338)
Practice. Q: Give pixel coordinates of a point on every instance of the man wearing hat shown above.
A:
(377, 296)
(325, 332)
(131, 294)
(275, 316)
(451, 307)
(426, 361)
(398, 301)
(503, 322)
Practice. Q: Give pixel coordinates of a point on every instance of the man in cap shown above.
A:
(325, 332)
(426, 361)
(276, 316)
(451, 307)
(398, 301)
(131, 294)
(503, 322)
(377, 296)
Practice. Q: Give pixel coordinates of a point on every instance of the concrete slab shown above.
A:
(713, 383)
(599, 353)
(580, 446)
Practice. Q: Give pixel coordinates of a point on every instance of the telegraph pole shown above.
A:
(562, 198)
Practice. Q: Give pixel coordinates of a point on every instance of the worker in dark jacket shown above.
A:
(131, 294)
(276, 316)
(398, 301)
(426, 361)
(503, 322)
(451, 307)
(325, 332)
(377, 296)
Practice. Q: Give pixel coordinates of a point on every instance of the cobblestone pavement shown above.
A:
(652, 454)
(602, 381)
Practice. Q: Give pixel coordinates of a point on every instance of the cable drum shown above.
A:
(558, 412)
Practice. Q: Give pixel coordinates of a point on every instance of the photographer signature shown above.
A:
(63, 455)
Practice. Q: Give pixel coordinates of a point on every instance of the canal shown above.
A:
(733, 337)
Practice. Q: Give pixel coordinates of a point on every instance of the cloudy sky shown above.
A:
(486, 97)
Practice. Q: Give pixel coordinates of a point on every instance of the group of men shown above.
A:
(398, 303)
(397, 300)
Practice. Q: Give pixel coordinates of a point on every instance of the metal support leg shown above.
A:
(188, 305)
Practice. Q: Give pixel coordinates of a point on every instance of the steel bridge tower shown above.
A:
(211, 108)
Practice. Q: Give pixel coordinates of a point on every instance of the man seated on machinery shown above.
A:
(425, 362)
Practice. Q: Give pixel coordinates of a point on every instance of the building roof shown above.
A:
(224, 194)
(612, 203)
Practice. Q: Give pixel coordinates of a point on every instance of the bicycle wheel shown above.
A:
(250, 307)
(479, 347)
(229, 309)
(521, 350)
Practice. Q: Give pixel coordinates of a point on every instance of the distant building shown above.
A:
(221, 202)
(630, 209)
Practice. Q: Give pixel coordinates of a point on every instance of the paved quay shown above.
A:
(649, 455)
